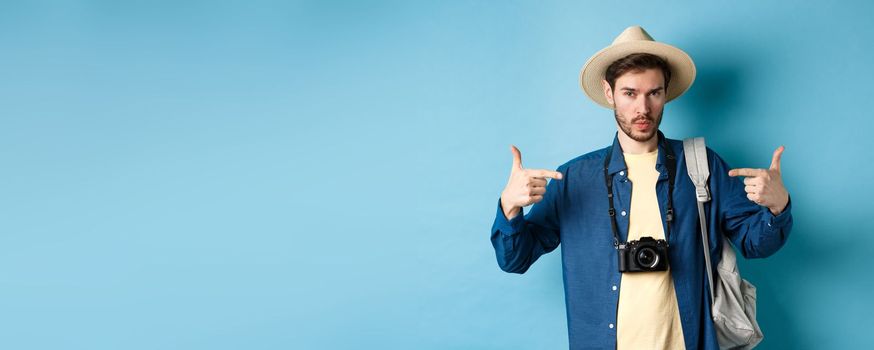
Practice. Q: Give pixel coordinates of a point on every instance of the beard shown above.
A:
(627, 126)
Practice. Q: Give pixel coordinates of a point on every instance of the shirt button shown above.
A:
(614, 287)
(622, 173)
(623, 213)
(611, 326)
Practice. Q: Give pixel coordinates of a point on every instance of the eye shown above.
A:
(656, 93)
(629, 93)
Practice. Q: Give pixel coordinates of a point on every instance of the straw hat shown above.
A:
(636, 40)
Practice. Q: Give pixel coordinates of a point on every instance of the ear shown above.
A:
(608, 92)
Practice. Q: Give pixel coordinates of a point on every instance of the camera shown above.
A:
(645, 254)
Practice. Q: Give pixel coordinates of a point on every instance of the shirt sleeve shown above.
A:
(752, 228)
(519, 242)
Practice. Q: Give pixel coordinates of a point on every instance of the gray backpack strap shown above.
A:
(699, 171)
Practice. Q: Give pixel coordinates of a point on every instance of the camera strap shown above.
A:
(672, 169)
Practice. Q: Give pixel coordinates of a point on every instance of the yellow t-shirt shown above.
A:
(648, 316)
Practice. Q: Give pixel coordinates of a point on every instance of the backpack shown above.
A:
(733, 299)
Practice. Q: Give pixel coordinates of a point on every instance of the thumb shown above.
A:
(517, 157)
(775, 162)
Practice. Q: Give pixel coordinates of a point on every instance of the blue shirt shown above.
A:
(574, 213)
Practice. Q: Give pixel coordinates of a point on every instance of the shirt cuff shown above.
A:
(509, 227)
(780, 220)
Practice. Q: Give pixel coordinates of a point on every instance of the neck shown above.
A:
(632, 146)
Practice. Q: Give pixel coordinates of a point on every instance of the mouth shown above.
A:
(642, 125)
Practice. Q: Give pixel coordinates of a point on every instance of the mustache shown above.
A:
(642, 119)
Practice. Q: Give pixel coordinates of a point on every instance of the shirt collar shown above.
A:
(617, 159)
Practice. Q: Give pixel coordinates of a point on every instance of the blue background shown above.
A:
(323, 175)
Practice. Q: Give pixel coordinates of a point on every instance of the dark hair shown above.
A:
(636, 62)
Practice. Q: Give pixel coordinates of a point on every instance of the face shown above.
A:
(638, 102)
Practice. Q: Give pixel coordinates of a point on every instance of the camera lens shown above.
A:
(647, 257)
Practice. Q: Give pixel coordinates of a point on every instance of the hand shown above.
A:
(765, 186)
(526, 186)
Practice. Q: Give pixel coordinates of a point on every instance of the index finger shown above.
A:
(545, 173)
(745, 172)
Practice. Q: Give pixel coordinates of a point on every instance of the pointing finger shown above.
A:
(546, 173)
(775, 161)
(744, 172)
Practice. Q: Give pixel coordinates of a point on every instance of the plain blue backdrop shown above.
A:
(324, 174)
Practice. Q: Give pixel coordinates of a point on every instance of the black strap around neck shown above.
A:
(672, 170)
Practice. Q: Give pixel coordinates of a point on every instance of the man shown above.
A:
(666, 307)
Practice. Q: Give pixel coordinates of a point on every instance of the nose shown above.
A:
(643, 106)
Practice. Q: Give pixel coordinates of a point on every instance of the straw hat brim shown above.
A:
(682, 68)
